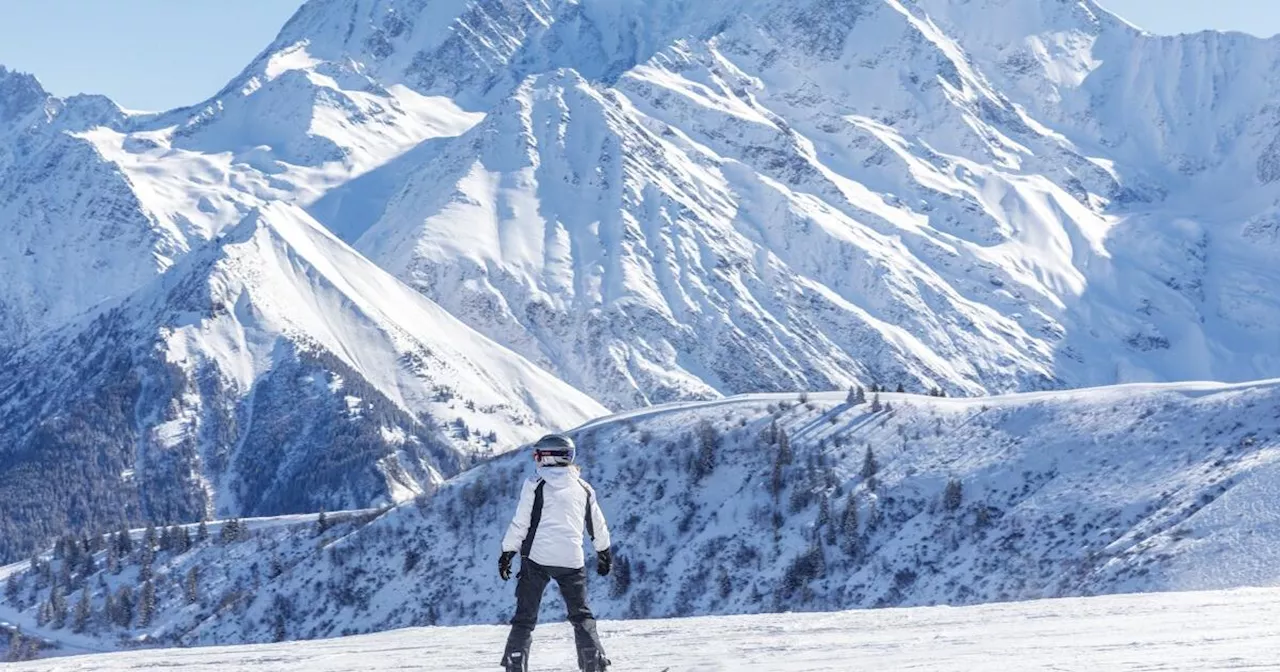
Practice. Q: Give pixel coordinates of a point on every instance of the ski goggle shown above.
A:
(558, 453)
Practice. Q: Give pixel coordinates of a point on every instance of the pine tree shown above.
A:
(88, 566)
(191, 585)
(862, 396)
(11, 589)
(230, 531)
(84, 611)
(901, 389)
(110, 615)
(149, 538)
(146, 604)
(57, 608)
(851, 399)
(202, 532)
(124, 543)
(876, 407)
(64, 575)
(44, 614)
(125, 607)
(785, 454)
(824, 511)
(953, 497)
(322, 522)
(849, 527)
(776, 480)
(708, 446)
(184, 539)
(71, 551)
(870, 467)
(113, 557)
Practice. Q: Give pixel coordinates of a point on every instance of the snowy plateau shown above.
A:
(413, 235)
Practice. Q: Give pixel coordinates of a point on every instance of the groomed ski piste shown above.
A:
(1170, 632)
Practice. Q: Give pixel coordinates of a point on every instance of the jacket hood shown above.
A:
(558, 477)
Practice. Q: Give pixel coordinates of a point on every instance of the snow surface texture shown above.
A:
(1111, 490)
(1193, 632)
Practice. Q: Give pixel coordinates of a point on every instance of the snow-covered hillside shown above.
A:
(272, 371)
(1126, 489)
(1190, 632)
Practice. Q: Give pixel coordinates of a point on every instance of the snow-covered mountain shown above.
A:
(714, 511)
(273, 370)
(672, 199)
(983, 196)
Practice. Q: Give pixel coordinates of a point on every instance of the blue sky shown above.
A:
(159, 54)
(145, 54)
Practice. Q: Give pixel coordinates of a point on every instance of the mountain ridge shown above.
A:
(272, 370)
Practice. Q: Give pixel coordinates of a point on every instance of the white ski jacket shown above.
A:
(557, 541)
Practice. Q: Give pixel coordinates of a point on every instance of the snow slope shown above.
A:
(1190, 632)
(68, 217)
(272, 371)
(1098, 491)
(802, 195)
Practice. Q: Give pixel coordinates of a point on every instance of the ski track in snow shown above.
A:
(1176, 632)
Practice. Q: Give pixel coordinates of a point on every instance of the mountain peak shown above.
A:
(20, 95)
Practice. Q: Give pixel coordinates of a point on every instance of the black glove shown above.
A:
(504, 564)
(604, 562)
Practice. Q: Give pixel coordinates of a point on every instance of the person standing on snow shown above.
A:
(555, 508)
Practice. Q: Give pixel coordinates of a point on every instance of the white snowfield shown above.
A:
(1191, 632)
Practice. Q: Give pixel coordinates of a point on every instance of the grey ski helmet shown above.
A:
(554, 450)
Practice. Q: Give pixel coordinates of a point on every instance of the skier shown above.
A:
(555, 508)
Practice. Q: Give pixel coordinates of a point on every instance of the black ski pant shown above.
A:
(530, 585)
